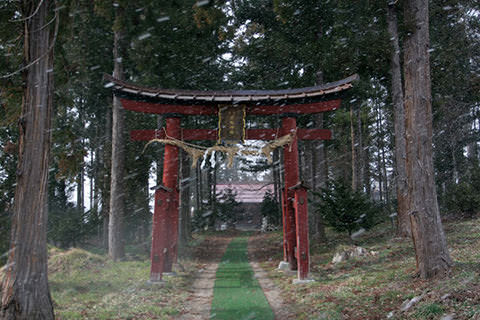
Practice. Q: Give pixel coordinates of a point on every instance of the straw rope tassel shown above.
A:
(280, 142)
(196, 152)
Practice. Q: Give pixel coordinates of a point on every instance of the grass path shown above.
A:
(237, 294)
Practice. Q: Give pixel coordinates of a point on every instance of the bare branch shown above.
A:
(30, 16)
(57, 23)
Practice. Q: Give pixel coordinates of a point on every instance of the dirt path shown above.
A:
(208, 257)
(201, 293)
(257, 253)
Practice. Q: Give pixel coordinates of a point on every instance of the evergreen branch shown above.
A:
(50, 48)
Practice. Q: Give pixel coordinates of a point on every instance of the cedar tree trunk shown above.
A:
(117, 188)
(319, 167)
(354, 152)
(428, 237)
(404, 229)
(185, 182)
(107, 165)
(25, 292)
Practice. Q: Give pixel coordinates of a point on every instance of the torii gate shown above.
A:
(174, 104)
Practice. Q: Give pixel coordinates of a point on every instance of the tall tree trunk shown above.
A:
(427, 230)
(81, 187)
(403, 228)
(472, 147)
(209, 182)
(92, 192)
(25, 291)
(379, 155)
(353, 151)
(319, 169)
(309, 150)
(277, 185)
(276, 182)
(302, 170)
(455, 175)
(360, 153)
(198, 179)
(201, 194)
(117, 188)
(185, 182)
(141, 201)
(384, 173)
(96, 178)
(107, 164)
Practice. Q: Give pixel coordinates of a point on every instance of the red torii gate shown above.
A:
(177, 103)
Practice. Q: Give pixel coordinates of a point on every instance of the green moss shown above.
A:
(237, 294)
(428, 311)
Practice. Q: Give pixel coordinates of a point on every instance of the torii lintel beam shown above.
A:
(251, 134)
(160, 108)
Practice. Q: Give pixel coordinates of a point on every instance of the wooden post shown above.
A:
(289, 124)
(170, 181)
(284, 226)
(301, 215)
(165, 215)
(159, 233)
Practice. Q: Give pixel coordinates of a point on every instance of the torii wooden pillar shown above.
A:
(165, 217)
(291, 174)
(182, 103)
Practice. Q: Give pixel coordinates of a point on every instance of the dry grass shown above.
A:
(375, 286)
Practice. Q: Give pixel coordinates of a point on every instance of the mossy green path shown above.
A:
(237, 294)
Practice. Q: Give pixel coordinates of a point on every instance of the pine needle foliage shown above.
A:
(270, 209)
(346, 210)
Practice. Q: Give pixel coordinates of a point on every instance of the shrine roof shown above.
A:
(236, 96)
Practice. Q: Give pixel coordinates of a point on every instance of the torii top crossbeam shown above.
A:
(260, 102)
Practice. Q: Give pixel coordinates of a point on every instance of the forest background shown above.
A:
(236, 45)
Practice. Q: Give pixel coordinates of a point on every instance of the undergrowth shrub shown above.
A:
(228, 207)
(346, 210)
(68, 226)
(201, 218)
(270, 210)
(73, 260)
(464, 197)
(225, 210)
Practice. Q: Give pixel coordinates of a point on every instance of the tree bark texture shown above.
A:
(107, 165)
(366, 171)
(360, 153)
(379, 156)
(117, 188)
(185, 183)
(353, 151)
(277, 180)
(320, 176)
(307, 172)
(427, 232)
(81, 188)
(198, 179)
(319, 169)
(403, 227)
(25, 291)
